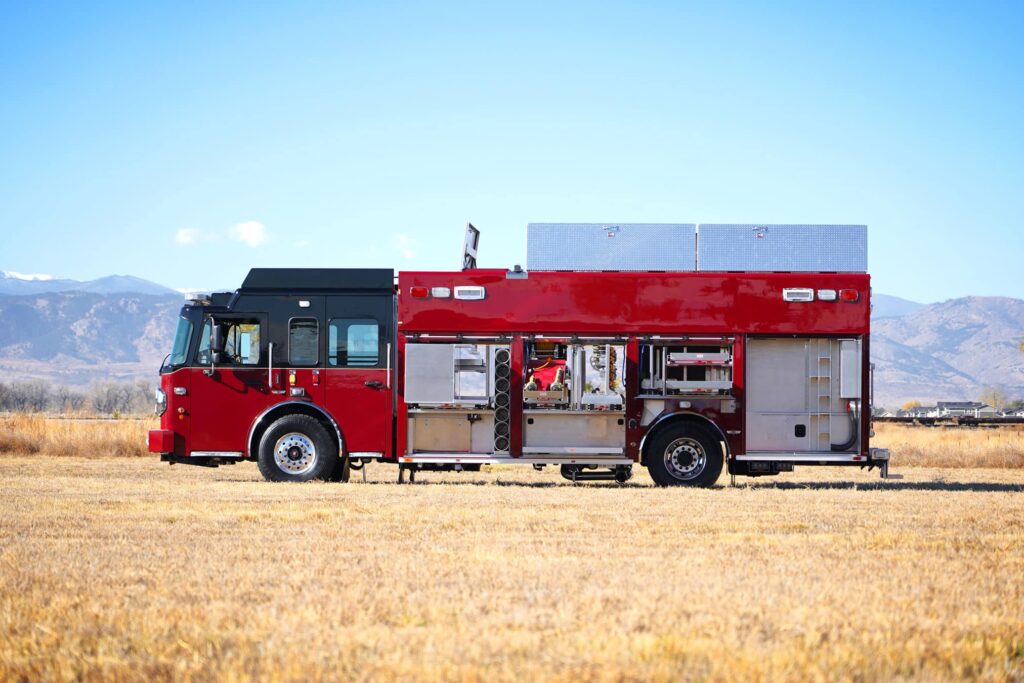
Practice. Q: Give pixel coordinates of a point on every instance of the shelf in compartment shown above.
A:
(451, 411)
(685, 396)
(699, 358)
(559, 411)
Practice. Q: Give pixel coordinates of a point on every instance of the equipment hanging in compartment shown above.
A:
(546, 375)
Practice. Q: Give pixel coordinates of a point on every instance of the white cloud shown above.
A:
(39, 277)
(252, 233)
(186, 237)
(405, 245)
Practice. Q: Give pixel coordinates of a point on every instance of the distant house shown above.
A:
(965, 409)
(918, 411)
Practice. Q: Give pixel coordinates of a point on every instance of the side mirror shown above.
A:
(217, 340)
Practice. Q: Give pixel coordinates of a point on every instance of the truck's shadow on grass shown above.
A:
(971, 487)
(951, 486)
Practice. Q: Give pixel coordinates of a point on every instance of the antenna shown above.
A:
(472, 243)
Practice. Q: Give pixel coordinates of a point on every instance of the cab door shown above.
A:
(359, 384)
(227, 395)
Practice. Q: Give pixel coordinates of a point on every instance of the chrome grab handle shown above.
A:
(270, 372)
(389, 366)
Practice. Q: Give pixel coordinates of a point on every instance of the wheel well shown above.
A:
(264, 421)
(678, 418)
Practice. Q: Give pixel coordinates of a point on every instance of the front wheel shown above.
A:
(297, 448)
(684, 454)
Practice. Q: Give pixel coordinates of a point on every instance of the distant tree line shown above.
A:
(102, 398)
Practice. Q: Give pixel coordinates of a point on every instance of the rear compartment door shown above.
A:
(796, 394)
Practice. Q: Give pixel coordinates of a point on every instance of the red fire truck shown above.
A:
(683, 369)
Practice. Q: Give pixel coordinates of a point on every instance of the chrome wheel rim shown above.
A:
(295, 453)
(685, 458)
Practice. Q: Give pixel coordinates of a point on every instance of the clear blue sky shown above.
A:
(135, 137)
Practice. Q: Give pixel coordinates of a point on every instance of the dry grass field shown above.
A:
(128, 569)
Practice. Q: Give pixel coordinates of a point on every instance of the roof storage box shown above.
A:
(611, 246)
(798, 248)
(689, 247)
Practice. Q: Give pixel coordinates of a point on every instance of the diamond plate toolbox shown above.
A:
(611, 246)
(798, 248)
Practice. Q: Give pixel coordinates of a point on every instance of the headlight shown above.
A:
(161, 401)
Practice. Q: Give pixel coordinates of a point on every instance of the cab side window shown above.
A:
(354, 343)
(241, 342)
(303, 341)
(242, 345)
(203, 352)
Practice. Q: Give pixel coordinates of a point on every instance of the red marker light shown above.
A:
(849, 295)
(419, 292)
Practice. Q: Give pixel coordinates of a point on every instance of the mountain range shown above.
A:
(120, 327)
(17, 283)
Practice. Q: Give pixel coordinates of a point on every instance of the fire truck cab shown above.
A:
(685, 370)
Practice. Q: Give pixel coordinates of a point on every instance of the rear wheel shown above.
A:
(342, 470)
(297, 448)
(684, 454)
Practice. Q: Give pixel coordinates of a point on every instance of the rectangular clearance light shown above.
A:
(826, 295)
(850, 295)
(469, 293)
(419, 292)
(440, 292)
(798, 294)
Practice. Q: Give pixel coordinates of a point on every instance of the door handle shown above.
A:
(373, 384)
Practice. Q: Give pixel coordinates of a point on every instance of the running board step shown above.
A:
(532, 458)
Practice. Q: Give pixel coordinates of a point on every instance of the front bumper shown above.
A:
(161, 441)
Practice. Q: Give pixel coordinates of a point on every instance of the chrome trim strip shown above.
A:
(540, 459)
(216, 454)
(306, 404)
(815, 456)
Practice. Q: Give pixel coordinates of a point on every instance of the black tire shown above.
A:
(297, 448)
(684, 454)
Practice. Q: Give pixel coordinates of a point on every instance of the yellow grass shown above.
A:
(78, 436)
(911, 446)
(127, 569)
(951, 446)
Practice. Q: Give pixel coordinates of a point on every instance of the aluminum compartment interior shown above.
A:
(611, 246)
(451, 431)
(560, 428)
(429, 373)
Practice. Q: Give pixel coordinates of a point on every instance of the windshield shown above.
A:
(179, 352)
